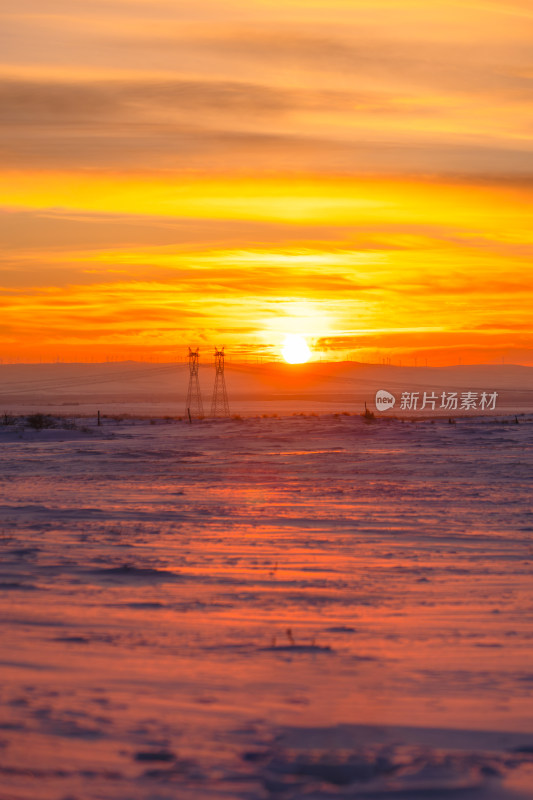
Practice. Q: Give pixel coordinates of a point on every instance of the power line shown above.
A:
(194, 405)
(65, 383)
(219, 403)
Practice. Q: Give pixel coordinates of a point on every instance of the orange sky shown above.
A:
(227, 173)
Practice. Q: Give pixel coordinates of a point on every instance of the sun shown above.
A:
(295, 349)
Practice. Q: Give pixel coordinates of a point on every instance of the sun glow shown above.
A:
(295, 349)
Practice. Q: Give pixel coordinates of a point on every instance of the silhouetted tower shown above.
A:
(219, 404)
(194, 398)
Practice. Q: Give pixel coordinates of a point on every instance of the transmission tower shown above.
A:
(219, 404)
(194, 399)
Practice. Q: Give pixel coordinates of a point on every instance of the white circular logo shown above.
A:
(384, 400)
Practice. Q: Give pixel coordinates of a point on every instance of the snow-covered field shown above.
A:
(297, 607)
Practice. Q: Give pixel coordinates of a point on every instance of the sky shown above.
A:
(206, 173)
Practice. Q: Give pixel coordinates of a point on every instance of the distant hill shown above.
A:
(320, 387)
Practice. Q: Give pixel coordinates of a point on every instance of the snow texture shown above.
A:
(295, 607)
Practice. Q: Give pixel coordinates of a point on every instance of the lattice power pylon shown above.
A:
(219, 404)
(194, 399)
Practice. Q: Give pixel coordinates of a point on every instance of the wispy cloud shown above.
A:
(360, 172)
